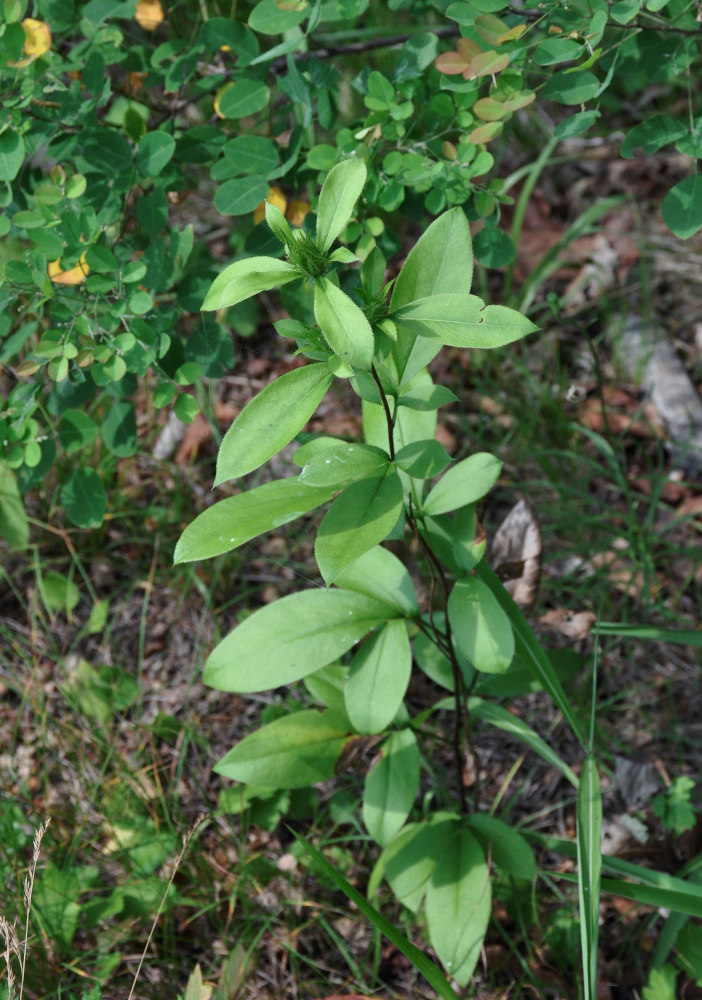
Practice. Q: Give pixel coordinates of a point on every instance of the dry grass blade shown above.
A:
(12, 947)
(187, 837)
(8, 931)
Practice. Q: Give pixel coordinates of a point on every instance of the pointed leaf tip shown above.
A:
(340, 192)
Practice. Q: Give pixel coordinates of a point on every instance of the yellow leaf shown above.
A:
(73, 276)
(485, 133)
(149, 14)
(275, 197)
(514, 32)
(297, 210)
(218, 97)
(37, 41)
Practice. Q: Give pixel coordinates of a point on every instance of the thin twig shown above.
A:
(375, 43)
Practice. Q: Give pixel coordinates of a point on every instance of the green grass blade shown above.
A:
(686, 637)
(589, 822)
(680, 902)
(499, 717)
(673, 925)
(431, 972)
(651, 887)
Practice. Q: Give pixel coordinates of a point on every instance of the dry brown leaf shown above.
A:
(354, 749)
(672, 492)
(446, 438)
(616, 422)
(619, 571)
(516, 553)
(692, 507)
(574, 624)
(199, 432)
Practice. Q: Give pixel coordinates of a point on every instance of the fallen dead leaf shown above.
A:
(576, 625)
(673, 492)
(199, 432)
(692, 507)
(617, 422)
(516, 553)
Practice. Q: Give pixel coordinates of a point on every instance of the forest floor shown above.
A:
(106, 727)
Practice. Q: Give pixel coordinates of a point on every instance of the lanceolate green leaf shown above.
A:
(339, 194)
(499, 717)
(423, 459)
(341, 463)
(481, 628)
(380, 574)
(378, 678)
(14, 526)
(501, 325)
(296, 750)
(271, 420)
(419, 960)
(283, 642)
(445, 317)
(505, 845)
(441, 261)
(410, 864)
(458, 905)
(343, 324)
(462, 321)
(245, 278)
(463, 484)
(236, 520)
(360, 517)
(391, 786)
(529, 649)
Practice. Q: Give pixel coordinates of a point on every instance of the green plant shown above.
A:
(111, 120)
(673, 808)
(466, 635)
(380, 336)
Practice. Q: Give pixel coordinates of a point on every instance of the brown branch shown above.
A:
(377, 43)
(352, 48)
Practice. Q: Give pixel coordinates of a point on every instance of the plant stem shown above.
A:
(520, 210)
(388, 415)
(461, 724)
